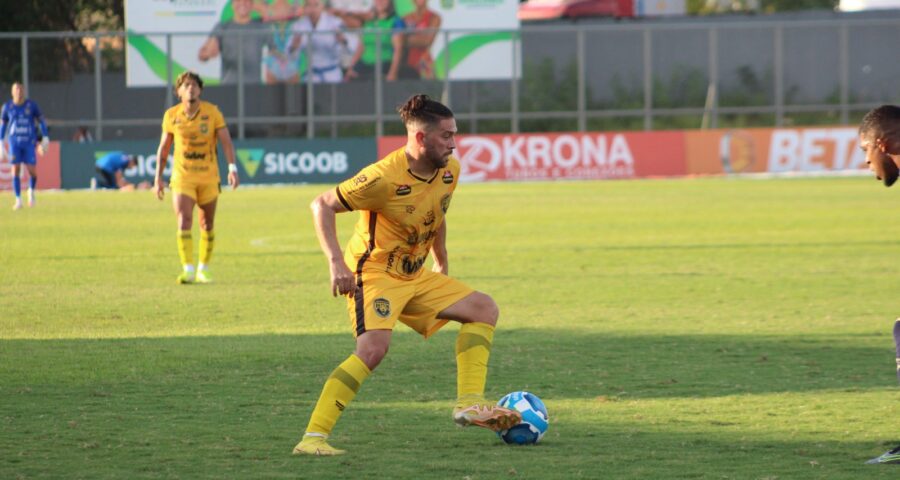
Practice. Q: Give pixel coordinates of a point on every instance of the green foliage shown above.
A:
(54, 59)
(707, 7)
(676, 329)
(772, 6)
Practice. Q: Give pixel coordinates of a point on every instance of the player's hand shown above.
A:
(159, 188)
(45, 143)
(233, 180)
(2, 152)
(342, 281)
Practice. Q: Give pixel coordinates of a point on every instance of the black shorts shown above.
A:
(106, 179)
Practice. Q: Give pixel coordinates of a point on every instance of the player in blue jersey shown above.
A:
(18, 137)
(110, 168)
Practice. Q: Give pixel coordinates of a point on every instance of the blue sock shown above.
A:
(17, 186)
(897, 345)
(32, 182)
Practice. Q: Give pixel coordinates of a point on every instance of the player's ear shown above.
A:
(420, 138)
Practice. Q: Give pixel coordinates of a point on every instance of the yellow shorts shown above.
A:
(202, 193)
(385, 299)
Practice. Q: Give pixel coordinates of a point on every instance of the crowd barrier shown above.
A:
(538, 156)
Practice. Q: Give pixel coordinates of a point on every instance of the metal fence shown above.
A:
(575, 77)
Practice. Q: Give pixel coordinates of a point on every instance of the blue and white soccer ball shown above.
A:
(534, 418)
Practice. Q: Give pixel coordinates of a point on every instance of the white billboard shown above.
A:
(205, 36)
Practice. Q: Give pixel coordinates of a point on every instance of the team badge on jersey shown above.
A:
(448, 177)
(382, 307)
(403, 190)
(204, 128)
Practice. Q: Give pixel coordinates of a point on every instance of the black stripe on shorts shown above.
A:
(358, 294)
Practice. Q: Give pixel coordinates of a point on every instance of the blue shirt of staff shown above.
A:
(110, 167)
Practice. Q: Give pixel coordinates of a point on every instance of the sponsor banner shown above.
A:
(479, 44)
(259, 161)
(767, 150)
(564, 156)
(48, 173)
(302, 161)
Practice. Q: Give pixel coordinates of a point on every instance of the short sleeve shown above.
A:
(218, 119)
(217, 33)
(167, 123)
(36, 111)
(367, 190)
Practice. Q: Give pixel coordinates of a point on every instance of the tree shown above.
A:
(61, 58)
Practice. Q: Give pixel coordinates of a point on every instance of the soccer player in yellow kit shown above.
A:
(194, 126)
(402, 200)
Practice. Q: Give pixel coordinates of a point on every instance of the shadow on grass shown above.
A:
(567, 363)
(231, 407)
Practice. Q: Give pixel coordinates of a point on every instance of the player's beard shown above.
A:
(437, 159)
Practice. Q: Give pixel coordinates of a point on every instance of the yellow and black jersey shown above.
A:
(194, 159)
(400, 214)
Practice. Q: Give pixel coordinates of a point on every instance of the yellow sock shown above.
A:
(185, 247)
(339, 390)
(207, 241)
(473, 348)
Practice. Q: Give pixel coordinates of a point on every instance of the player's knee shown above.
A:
(488, 311)
(185, 222)
(372, 355)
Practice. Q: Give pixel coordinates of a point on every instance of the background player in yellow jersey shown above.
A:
(402, 200)
(194, 126)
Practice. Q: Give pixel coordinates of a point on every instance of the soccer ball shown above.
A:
(534, 418)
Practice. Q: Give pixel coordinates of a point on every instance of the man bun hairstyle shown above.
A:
(423, 109)
(880, 120)
(184, 76)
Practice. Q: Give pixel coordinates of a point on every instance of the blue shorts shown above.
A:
(22, 153)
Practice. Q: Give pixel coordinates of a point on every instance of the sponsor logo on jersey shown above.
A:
(194, 155)
(445, 202)
(429, 218)
(204, 117)
(410, 209)
(359, 179)
(403, 190)
(412, 239)
(411, 265)
(448, 177)
(204, 128)
(382, 307)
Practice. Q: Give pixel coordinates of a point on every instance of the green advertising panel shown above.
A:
(259, 161)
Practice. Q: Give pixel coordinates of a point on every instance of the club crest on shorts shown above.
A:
(382, 307)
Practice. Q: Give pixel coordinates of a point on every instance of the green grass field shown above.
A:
(705, 328)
